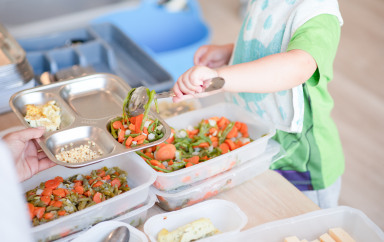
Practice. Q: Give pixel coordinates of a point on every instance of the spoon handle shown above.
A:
(213, 85)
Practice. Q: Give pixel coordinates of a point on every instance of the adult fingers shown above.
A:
(45, 163)
(26, 134)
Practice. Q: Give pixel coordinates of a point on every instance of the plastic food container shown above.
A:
(138, 179)
(258, 130)
(311, 225)
(138, 215)
(168, 109)
(134, 217)
(225, 216)
(202, 190)
(100, 231)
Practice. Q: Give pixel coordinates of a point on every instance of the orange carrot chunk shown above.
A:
(97, 197)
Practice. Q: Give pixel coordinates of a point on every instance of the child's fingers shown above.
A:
(199, 54)
(176, 90)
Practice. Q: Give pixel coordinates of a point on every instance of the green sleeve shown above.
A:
(319, 37)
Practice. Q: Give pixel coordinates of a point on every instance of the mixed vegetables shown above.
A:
(134, 131)
(58, 197)
(187, 147)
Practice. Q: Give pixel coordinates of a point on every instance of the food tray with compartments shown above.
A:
(97, 48)
(260, 131)
(138, 180)
(88, 104)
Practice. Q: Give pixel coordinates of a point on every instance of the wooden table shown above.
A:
(266, 198)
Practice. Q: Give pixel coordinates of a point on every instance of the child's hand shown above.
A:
(192, 82)
(213, 56)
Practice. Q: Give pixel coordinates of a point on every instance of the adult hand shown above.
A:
(25, 150)
(213, 56)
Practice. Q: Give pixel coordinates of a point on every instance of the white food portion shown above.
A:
(195, 230)
(47, 115)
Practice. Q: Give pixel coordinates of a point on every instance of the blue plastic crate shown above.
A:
(171, 38)
(103, 47)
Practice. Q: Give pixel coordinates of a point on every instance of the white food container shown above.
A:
(258, 130)
(138, 180)
(202, 190)
(100, 231)
(311, 225)
(137, 216)
(225, 216)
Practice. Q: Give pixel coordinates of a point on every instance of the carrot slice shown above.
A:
(128, 142)
(45, 199)
(140, 137)
(139, 120)
(231, 144)
(48, 216)
(52, 183)
(47, 192)
(61, 213)
(107, 177)
(97, 184)
(100, 172)
(117, 124)
(116, 182)
(120, 136)
(132, 127)
(79, 189)
(189, 164)
(97, 197)
(232, 133)
(149, 154)
(60, 192)
(203, 145)
(194, 159)
(87, 193)
(39, 212)
(57, 204)
(165, 152)
(157, 163)
(31, 208)
(224, 148)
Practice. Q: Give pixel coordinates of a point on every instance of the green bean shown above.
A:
(82, 205)
(225, 132)
(51, 208)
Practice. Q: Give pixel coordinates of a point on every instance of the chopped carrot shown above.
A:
(157, 163)
(194, 132)
(145, 130)
(48, 216)
(120, 136)
(66, 192)
(203, 145)
(170, 162)
(213, 130)
(31, 208)
(47, 192)
(39, 212)
(232, 133)
(215, 118)
(238, 143)
(140, 137)
(132, 120)
(139, 120)
(97, 197)
(128, 142)
(189, 164)
(52, 183)
(87, 193)
(115, 181)
(60, 192)
(243, 129)
(223, 122)
(132, 127)
(100, 172)
(224, 148)
(45, 199)
(79, 189)
(194, 159)
(107, 177)
(149, 154)
(231, 144)
(117, 124)
(166, 152)
(97, 184)
(90, 181)
(61, 212)
(57, 204)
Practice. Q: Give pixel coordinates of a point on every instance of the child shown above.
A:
(279, 69)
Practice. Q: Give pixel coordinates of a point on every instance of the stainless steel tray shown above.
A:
(87, 105)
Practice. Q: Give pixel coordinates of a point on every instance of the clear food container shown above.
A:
(138, 180)
(226, 216)
(202, 190)
(311, 226)
(258, 130)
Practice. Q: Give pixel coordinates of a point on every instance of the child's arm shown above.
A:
(272, 73)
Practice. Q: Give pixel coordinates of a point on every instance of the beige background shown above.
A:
(357, 88)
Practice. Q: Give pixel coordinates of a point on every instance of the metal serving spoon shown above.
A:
(139, 96)
(120, 234)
